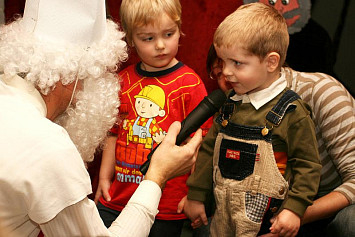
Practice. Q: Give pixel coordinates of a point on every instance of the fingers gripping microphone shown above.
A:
(194, 120)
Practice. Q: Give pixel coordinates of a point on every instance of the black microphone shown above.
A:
(194, 120)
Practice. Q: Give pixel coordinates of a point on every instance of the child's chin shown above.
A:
(239, 92)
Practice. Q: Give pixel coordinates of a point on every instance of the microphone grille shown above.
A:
(217, 98)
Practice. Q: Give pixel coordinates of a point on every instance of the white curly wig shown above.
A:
(46, 63)
(94, 113)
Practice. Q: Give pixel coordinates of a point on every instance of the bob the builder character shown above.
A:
(149, 104)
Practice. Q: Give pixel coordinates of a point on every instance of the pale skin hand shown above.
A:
(286, 223)
(169, 160)
(106, 169)
(194, 210)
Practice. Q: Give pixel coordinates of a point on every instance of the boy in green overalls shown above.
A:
(265, 157)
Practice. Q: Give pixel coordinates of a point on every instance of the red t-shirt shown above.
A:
(150, 102)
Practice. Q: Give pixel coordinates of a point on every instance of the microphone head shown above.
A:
(217, 98)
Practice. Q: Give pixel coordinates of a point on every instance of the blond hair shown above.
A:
(135, 13)
(258, 28)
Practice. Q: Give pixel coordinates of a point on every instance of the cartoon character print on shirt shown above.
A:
(143, 132)
(149, 103)
(296, 12)
(148, 107)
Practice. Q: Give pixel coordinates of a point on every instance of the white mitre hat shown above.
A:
(81, 22)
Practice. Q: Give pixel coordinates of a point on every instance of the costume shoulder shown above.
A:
(50, 166)
(67, 179)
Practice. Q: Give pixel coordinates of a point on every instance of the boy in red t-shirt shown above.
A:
(156, 92)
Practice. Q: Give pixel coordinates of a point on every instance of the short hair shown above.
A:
(135, 13)
(258, 28)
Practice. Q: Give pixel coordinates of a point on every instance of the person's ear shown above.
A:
(272, 61)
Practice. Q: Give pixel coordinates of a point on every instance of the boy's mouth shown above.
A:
(161, 56)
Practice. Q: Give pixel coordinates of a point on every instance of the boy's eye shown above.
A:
(237, 63)
(148, 38)
(169, 34)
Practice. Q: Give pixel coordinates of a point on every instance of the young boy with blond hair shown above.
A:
(155, 92)
(265, 159)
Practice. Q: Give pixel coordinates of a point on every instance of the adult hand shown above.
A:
(169, 160)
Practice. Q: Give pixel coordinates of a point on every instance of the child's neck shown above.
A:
(148, 68)
(274, 76)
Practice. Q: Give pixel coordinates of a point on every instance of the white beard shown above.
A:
(94, 113)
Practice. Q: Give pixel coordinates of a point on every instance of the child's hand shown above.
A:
(124, 124)
(102, 190)
(286, 223)
(194, 210)
(181, 204)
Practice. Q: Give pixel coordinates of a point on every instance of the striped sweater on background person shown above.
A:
(333, 112)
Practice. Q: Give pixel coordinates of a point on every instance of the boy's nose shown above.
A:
(159, 44)
(226, 72)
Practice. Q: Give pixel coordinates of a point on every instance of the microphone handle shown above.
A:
(145, 166)
(189, 125)
(179, 139)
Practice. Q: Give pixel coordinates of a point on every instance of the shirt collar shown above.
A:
(260, 98)
(28, 91)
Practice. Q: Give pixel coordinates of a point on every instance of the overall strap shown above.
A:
(283, 106)
(237, 130)
(226, 109)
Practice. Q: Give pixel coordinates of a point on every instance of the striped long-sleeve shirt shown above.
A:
(334, 117)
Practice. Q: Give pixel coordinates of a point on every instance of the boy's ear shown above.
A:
(272, 60)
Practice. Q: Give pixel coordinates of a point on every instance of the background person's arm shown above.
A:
(334, 115)
(324, 207)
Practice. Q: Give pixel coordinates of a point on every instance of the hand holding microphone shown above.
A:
(194, 120)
